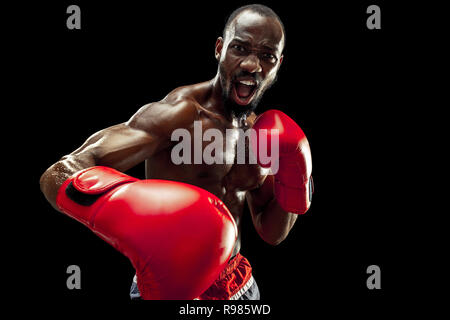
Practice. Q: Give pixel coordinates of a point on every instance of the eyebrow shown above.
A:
(264, 46)
(240, 41)
(269, 48)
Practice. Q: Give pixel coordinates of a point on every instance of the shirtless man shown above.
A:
(249, 56)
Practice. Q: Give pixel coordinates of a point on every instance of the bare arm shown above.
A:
(272, 223)
(121, 146)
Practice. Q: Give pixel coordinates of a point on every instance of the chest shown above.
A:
(219, 152)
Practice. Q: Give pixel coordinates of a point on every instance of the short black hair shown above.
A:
(261, 9)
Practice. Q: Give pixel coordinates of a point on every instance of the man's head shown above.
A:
(249, 55)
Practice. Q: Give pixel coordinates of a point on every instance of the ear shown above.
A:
(281, 59)
(219, 46)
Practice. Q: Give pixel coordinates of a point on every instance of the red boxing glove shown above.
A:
(178, 237)
(293, 180)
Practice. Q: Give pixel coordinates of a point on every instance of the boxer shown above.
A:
(88, 184)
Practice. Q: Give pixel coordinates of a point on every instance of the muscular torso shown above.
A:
(147, 136)
(230, 181)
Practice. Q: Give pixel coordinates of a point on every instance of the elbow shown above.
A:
(273, 243)
(272, 236)
(273, 240)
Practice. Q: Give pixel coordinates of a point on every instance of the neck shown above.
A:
(216, 98)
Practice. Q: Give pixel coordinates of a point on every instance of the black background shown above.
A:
(344, 84)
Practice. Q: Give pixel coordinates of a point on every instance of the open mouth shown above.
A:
(243, 91)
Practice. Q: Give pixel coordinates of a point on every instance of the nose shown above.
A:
(251, 64)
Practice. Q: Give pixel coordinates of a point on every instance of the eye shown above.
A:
(238, 47)
(269, 57)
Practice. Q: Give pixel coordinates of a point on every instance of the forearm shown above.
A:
(273, 223)
(54, 177)
(120, 147)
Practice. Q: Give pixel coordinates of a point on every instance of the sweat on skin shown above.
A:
(213, 152)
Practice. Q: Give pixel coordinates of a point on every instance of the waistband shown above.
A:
(232, 282)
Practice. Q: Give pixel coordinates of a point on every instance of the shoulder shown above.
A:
(177, 110)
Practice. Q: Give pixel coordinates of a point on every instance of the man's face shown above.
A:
(249, 59)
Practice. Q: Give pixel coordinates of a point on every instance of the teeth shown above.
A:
(247, 82)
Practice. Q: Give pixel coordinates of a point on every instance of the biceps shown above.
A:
(119, 146)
